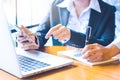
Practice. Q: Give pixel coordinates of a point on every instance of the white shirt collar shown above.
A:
(94, 4)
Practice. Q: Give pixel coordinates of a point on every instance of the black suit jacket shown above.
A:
(103, 25)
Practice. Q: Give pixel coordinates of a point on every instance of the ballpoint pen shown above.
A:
(88, 35)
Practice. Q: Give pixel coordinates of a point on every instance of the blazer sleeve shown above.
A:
(107, 32)
(43, 29)
(51, 20)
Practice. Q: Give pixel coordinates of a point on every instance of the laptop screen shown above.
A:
(7, 50)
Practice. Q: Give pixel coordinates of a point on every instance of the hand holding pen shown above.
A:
(87, 41)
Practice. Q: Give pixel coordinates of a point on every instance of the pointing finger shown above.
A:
(51, 31)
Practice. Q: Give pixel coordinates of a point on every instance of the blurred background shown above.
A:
(29, 13)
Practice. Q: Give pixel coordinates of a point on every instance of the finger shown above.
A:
(51, 31)
(26, 30)
(63, 37)
(64, 34)
(22, 39)
(25, 44)
(30, 46)
(88, 47)
(19, 34)
(95, 58)
(58, 34)
(25, 39)
(61, 30)
(88, 54)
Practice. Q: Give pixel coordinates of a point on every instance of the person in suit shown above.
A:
(97, 52)
(68, 21)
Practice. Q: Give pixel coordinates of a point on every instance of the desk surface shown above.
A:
(78, 71)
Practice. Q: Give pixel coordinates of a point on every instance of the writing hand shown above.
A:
(96, 52)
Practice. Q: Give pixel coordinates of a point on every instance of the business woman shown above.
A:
(74, 17)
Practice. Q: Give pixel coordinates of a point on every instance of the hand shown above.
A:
(25, 40)
(59, 32)
(96, 52)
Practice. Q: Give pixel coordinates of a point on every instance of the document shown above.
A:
(75, 54)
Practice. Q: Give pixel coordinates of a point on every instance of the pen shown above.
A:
(88, 35)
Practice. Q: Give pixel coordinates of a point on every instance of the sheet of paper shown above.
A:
(75, 54)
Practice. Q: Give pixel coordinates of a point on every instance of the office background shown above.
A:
(29, 13)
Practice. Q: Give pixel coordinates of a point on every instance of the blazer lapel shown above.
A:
(92, 21)
(94, 15)
(63, 15)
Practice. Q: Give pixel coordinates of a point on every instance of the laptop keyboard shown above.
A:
(28, 64)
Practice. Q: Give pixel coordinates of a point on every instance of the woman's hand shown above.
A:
(25, 40)
(96, 52)
(59, 32)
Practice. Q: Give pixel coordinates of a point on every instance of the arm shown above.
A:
(96, 52)
(43, 29)
(102, 33)
(106, 29)
(105, 34)
(53, 20)
(28, 42)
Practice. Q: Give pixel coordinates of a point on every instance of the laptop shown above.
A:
(22, 63)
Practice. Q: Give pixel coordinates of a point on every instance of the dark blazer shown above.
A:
(103, 25)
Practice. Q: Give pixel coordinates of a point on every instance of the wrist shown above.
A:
(69, 36)
(114, 50)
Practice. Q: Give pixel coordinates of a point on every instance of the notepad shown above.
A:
(75, 54)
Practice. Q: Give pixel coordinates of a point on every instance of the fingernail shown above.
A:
(46, 37)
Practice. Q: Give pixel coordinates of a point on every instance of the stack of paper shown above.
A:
(75, 54)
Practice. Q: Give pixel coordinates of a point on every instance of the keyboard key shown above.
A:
(28, 64)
